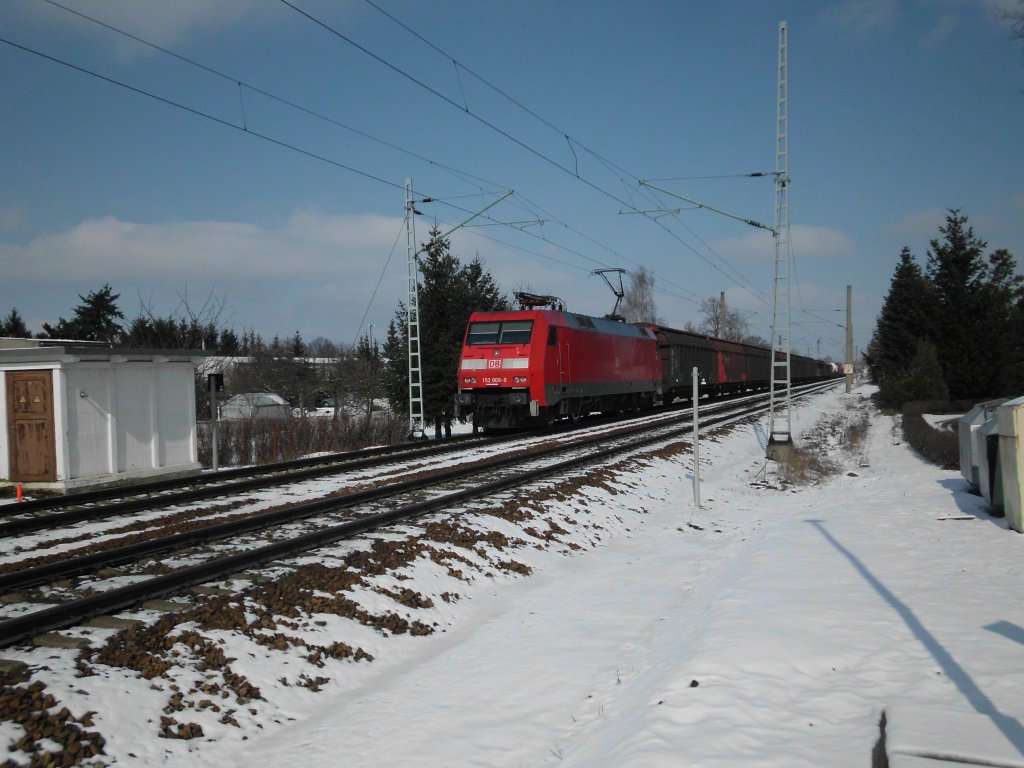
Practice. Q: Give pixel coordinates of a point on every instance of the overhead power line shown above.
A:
(245, 128)
(574, 172)
(461, 174)
(755, 175)
(611, 166)
(198, 112)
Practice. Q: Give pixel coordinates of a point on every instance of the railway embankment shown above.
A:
(596, 619)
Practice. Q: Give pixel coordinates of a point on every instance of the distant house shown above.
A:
(255, 405)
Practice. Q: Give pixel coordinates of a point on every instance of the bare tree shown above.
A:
(322, 347)
(1015, 15)
(358, 375)
(722, 322)
(638, 298)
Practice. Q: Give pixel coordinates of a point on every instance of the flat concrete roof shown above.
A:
(75, 353)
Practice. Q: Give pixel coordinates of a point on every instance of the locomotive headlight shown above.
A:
(518, 379)
(469, 380)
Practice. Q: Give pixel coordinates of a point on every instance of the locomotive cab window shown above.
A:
(506, 332)
(516, 332)
(483, 333)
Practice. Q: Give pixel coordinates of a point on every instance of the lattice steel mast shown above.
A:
(779, 420)
(413, 320)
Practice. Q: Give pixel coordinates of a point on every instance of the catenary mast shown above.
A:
(779, 420)
(413, 320)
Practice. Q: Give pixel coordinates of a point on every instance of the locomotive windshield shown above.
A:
(505, 332)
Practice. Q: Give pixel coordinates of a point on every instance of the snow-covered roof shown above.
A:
(256, 399)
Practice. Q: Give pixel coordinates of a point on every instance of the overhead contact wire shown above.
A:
(497, 129)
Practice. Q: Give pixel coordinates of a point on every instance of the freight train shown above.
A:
(530, 367)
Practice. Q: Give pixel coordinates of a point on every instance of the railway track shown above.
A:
(366, 509)
(56, 511)
(38, 514)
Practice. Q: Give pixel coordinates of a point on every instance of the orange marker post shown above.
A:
(18, 491)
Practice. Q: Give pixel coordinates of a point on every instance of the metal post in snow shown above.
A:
(213, 418)
(696, 439)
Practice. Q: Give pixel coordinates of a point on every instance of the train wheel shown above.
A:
(547, 418)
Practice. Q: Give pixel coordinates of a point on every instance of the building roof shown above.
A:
(256, 399)
(74, 352)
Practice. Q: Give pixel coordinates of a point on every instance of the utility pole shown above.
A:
(780, 424)
(413, 320)
(721, 315)
(696, 437)
(848, 368)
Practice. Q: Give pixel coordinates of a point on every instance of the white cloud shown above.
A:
(309, 246)
(941, 30)
(167, 23)
(918, 225)
(808, 243)
(862, 17)
(315, 272)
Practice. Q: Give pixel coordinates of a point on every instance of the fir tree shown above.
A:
(971, 308)
(14, 325)
(95, 319)
(921, 380)
(396, 362)
(449, 293)
(957, 271)
(1002, 297)
(905, 320)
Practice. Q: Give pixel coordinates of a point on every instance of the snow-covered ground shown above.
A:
(769, 628)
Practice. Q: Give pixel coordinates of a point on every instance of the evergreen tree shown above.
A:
(1003, 298)
(440, 298)
(906, 318)
(228, 344)
(921, 380)
(95, 319)
(396, 363)
(971, 309)
(957, 271)
(449, 293)
(14, 325)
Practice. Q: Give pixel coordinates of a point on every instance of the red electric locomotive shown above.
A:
(533, 366)
(529, 367)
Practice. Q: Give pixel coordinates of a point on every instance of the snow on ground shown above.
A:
(770, 628)
(774, 636)
(943, 421)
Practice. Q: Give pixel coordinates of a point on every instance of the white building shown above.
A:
(255, 405)
(81, 415)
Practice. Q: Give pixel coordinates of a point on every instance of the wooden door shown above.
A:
(31, 447)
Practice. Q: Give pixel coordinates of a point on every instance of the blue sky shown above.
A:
(897, 112)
